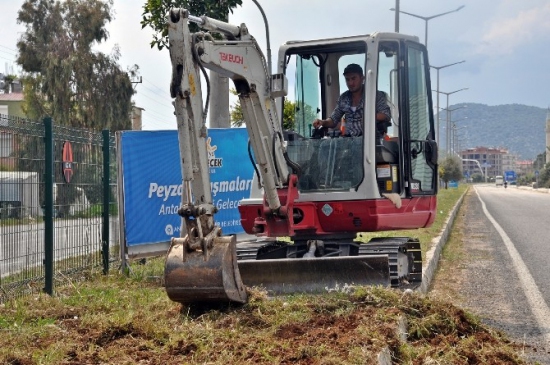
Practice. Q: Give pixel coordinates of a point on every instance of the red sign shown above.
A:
(67, 161)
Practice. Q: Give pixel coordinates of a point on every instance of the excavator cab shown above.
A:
(317, 191)
(392, 170)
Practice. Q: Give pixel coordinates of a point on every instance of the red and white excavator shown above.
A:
(317, 189)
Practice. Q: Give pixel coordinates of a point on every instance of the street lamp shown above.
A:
(396, 16)
(454, 131)
(447, 132)
(426, 19)
(439, 68)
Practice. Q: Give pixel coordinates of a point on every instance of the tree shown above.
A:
(155, 11)
(65, 78)
(543, 180)
(7, 81)
(540, 161)
(289, 112)
(154, 15)
(450, 169)
(477, 178)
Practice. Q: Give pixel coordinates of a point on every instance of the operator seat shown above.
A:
(387, 152)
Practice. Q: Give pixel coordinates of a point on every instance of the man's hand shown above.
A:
(317, 123)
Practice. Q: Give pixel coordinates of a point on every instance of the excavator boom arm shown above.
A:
(243, 62)
(202, 265)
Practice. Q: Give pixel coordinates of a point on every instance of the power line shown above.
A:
(162, 90)
(8, 59)
(163, 124)
(158, 114)
(156, 110)
(160, 101)
(157, 102)
(11, 49)
(8, 53)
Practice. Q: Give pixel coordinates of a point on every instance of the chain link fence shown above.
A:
(58, 211)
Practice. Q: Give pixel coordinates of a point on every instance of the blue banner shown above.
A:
(152, 182)
(510, 175)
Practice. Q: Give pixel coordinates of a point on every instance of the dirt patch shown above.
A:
(117, 320)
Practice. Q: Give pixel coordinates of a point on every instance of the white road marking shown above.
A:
(538, 305)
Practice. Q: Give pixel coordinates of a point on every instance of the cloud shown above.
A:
(505, 35)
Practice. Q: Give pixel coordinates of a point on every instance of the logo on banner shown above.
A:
(213, 162)
(169, 230)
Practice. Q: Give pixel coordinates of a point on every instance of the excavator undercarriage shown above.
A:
(280, 267)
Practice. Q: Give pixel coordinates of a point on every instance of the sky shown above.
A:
(505, 44)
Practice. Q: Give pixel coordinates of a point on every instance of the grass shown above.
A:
(118, 319)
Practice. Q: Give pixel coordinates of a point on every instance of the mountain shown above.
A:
(519, 128)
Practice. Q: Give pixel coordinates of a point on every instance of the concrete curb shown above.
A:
(537, 190)
(432, 256)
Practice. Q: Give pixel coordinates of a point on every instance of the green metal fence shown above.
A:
(58, 212)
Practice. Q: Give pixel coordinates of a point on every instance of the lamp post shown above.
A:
(425, 18)
(396, 16)
(447, 132)
(438, 116)
(454, 131)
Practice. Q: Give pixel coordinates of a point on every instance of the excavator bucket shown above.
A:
(193, 277)
(315, 275)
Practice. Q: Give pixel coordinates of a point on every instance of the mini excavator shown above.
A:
(315, 190)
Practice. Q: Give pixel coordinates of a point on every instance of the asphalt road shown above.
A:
(22, 246)
(504, 275)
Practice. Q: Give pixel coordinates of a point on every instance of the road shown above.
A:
(502, 236)
(22, 246)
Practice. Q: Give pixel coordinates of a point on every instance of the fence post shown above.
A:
(106, 201)
(48, 206)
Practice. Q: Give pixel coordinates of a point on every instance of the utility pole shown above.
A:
(219, 103)
(396, 16)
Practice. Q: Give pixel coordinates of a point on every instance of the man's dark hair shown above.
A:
(353, 68)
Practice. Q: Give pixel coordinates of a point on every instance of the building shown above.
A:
(524, 167)
(136, 118)
(548, 136)
(10, 104)
(493, 161)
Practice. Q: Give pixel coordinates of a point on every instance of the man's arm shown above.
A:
(383, 112)
(334, 119)
(328, 123)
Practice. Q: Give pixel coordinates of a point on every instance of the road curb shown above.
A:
(432, 256)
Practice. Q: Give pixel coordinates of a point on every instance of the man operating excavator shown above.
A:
(350, 106)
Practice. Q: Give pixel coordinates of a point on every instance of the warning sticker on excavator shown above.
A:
(192, 85)
(327, 209)
(338, 208)
(383, 171)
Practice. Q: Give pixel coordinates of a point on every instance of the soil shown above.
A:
(338, 328)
